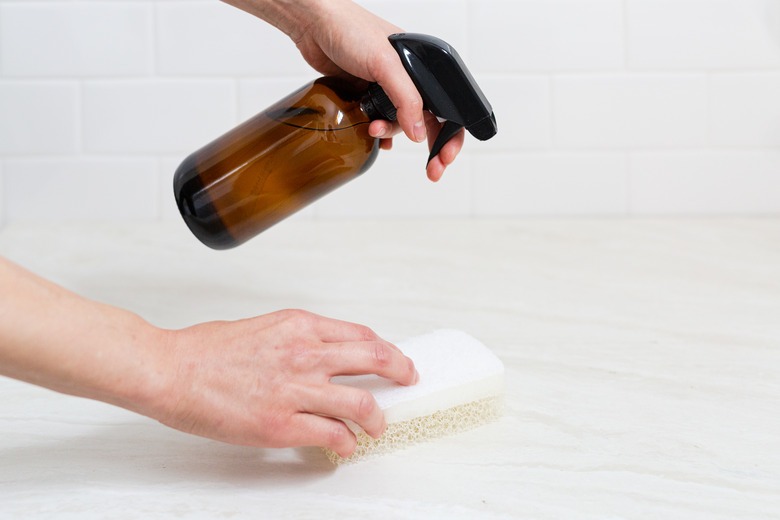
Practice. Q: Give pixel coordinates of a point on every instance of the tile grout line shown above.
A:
(530, 73)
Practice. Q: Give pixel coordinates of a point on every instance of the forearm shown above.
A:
(264, 381)
(292, 17)
(54, 338)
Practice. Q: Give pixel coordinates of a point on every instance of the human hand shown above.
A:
(265, 381)
(361, 48)
(337, 37)
(445, 157)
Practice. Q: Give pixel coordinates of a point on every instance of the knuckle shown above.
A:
(381, 355)
(302, 354)
(383, 62)
(366, 405)
(365, 333)
(286, 314)
(339, 437)
(298, 319)
(414, 104)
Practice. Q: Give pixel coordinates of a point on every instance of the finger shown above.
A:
(345, 402)
(331, 330)
(433, 128)
(314, 430)
(386, 144)
(395, 81)
(435, 169)
(370, 357)
(383, 129)
(447, 154)
(450, 150)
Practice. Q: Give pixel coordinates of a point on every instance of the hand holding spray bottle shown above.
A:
(315, 140)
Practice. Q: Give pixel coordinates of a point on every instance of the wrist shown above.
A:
(141, 383)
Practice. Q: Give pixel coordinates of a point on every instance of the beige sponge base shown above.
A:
(438, 424)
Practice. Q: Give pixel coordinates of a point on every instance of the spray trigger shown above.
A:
(446, 86)
(448, 131)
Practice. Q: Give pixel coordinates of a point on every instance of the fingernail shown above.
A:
(419, 131)
(380, 133)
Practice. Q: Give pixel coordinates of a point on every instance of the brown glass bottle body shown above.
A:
(275, 163)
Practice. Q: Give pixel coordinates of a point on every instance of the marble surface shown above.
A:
(642, 370)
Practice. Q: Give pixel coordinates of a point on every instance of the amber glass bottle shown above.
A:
(277, 162)
(315, 140)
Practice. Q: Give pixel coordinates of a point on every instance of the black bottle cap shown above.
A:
(446, 86)
(381, 107)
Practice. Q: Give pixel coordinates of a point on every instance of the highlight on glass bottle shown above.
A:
(276, 163)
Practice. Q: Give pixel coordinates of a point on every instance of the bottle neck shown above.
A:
(377, 105)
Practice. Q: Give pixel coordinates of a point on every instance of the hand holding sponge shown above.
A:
(461, 387)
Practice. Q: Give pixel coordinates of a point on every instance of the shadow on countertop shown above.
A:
(145, 452)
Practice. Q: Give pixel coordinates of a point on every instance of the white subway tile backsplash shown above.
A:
(695, 34)
(709, 182)
(539, 35)
(445, 19)
(81, 189)
(745, 109)
(549, 184)
(396, 186)
(38, 117)
(75, 39)
(168, 209)
(196, 38)
(522, 107)
(156, 116)
(604, 107)
(641, 111)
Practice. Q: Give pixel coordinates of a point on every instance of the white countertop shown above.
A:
(642, 370)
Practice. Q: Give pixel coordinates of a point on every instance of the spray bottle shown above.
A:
(315, 140)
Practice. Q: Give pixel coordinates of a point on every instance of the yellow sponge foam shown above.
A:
(461, 386)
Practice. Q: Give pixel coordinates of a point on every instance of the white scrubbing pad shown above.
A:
(461, 386)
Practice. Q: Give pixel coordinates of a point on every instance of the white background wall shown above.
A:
(605, 107)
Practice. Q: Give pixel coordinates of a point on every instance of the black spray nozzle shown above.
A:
(447, 88)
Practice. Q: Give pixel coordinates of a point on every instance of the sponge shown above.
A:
(461, 386)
